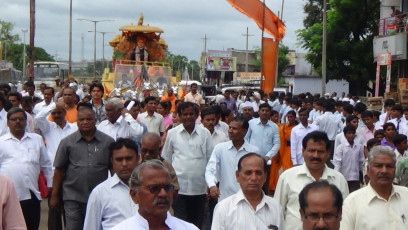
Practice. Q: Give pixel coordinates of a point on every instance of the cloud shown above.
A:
(185, 23)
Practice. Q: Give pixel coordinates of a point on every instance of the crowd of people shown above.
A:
(246, 160)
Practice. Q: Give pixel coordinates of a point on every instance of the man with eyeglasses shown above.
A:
(22, 155)
(320, 206)
(315, 151)
(53, 133)
(109, 202)
(151, 188)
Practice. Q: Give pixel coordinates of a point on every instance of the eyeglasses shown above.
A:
(327, 217)
(17, 119)
(155, 189)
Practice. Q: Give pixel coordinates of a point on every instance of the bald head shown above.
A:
(150, 146)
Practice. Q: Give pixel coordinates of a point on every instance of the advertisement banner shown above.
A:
(221, 63)
(243, 77)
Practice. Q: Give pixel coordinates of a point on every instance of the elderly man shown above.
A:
(320, 206)
(247, 110)
(379, 205)
(81, 163)
(250, 208)
(188, 148)
(151, 188)
(127, 127)
(22, 155)
(316, 150)
(109, 204)
(223, 161)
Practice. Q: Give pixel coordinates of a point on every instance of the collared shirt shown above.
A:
(224, 162)
(341, 139)
(153, 123)
(296, 137)
(230, 104)
(265, 137)
(275, 105)
(21, 161)
(109, 204)
(314, 114)
(222, 127)
(367, 134)
(140, 223)
(85, 164)
(3, 122)
(399, 156)
(189, 154)
(292, 181)
(402, 171)
(329, 124)
(41, 105)
(365, 209)
(236, 213)
(256, 105)
(349, 160)
(398, 123)
(196, 98)
(10, 211)
(100, 113)
(52, 132)
(218, 137)
(126, 128)
(384, 142)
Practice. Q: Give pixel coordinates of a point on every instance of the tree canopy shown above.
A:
(351, 27)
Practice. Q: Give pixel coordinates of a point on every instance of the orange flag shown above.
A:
(184, 91)
(107, 91)
(270, 53)
(254, 10)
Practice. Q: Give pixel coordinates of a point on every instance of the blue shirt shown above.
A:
(265, 137)
(224, 162)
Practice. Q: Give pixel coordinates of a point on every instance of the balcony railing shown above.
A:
(393, 25)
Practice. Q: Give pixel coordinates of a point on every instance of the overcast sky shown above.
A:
(185, 23)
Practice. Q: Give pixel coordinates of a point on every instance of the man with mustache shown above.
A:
(316, 151)
(320, 206)
(109, 202)
(151, 188)
(379, 205)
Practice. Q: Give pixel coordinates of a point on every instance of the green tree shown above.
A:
(15, 55)
(177, 62)
(283, 61)
(195, 68)
(7, 38)
(351, 27)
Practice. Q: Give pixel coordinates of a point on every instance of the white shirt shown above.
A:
(39, 106)
(296, 136)
(224, 162)
(126, 128)
(329, 124)
(137, 222)
(218, 137)
(52, 132)
(21, 161)
(109, 204)
(349, 160)
(398, 123)
(236, 213)
(292, 181)
(222, 127)
(3, 122)
(341, 139)
(256, 105)
(364, 209)
(153, 123)
(189, 154)
(399, 157)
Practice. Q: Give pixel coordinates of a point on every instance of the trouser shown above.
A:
(32, 212)
(353, 185)
(55, 216)
(74, 214)
(190, 208)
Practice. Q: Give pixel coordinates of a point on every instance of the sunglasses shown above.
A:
(155, 189)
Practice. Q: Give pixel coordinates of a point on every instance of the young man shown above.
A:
(153, 120)
(208, 120)
(400, 142)
(349, 158)
(98, 104)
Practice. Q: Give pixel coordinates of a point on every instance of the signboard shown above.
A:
(243, 77)
(386, 26)
(220, 60)
(383, 59)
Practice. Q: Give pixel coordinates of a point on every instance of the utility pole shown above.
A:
(205, 43)
(246, 50)
(82, 55)
(103, 45)
(24, 54)
(203, 64)
(324, 48)
(70, 39)
(94, 21)
(32, 35)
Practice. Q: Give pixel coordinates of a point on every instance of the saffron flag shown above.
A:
(254, 9)
(269, 57)
(184, 91)
(107, 91)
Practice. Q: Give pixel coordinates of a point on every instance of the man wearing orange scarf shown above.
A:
(171, 98)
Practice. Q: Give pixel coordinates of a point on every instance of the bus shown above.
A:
(46, 71)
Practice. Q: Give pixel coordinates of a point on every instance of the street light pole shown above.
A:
(324, 47)
(103, 45)
(94, 21)
(24, 54)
